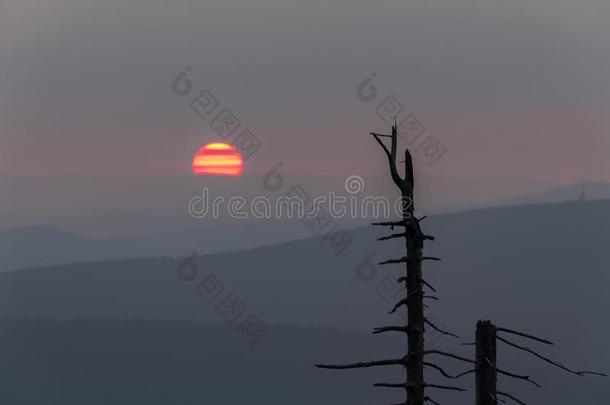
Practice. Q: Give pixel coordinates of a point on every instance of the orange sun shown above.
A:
(218, 159)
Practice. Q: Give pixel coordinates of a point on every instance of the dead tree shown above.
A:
(486, 376)
(487, 371)
(414, 360)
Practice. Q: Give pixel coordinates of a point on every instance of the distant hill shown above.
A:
(161, 234)
(37, 245)
(589, 191)
(541, 268)
(45, 245)
(489, 257)
(150, 216)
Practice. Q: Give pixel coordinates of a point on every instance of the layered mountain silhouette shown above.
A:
(144, 330)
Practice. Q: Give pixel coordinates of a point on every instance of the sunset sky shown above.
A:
(519, 90)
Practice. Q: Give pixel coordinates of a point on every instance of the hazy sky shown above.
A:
(514, 88)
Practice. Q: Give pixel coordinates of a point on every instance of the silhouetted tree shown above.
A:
(417, 357)
(414, 384)
(486, 363)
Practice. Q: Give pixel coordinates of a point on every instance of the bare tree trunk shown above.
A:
(486, 373)
(415, 305)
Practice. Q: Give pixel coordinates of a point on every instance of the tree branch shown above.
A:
(436, 328)
(446, 374)
(404, 301)
(391, 362)
(391, 155)
(391, 385)
(444, 387)
(454, 356)
(554, 363)
(427, 284)
(393, 236)
(428, 399)
(394, 261)
(391, 224)
(517, 376)
(383, 329)
(399, 304)
(405, 259)
(514, 332)
(504, 394)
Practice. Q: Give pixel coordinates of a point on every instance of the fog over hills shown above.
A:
(551, 256)
(139, 205)
(83, 221)
(119, 285)
(553, 247)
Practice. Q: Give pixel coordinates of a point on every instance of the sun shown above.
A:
(217, 159)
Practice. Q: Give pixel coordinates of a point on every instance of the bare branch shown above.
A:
(446, 374)
(391, 155)
(428, 399)
(436, 328)
(455, 356)
(394, 261)
(393, 236)
(466, 373)
(404, 301)
(391, 224)
(444, 387)
(399, 304)
(391, 362)
(504, 394)
(517, 376)
(391, 385)
(514, 332)
(405, 259)
(554, 363)
(383, 146)
(427, 284)
(381, 135)
(383, 329)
